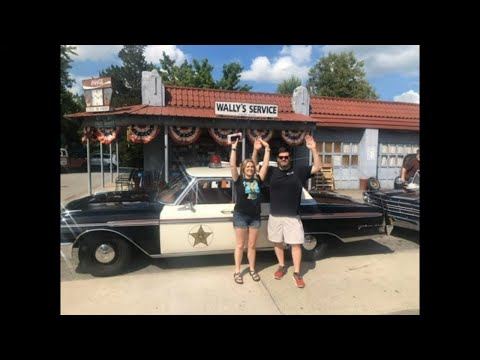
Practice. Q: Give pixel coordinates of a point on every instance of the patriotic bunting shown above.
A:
(264, 133)
(142, 134)
(220, 135)
(293, 137)
(184, 135)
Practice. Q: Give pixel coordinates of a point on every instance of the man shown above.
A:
(284, 224)
(409, 169)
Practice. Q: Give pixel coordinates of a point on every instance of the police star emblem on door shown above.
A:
(198, 235)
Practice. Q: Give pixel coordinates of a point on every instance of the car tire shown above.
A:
(373, 184)
(318, 252)
(104, 255)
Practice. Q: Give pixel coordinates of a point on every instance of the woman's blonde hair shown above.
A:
(244, 164)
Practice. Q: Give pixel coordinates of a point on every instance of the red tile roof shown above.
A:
(326, 111)
(341, 112)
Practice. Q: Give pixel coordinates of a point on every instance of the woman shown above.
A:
(246, 214)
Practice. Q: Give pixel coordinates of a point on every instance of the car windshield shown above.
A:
(173, 189)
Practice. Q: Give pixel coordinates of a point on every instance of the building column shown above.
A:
(368, 157)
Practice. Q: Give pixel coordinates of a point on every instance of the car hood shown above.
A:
(108, 206)
(400, 195)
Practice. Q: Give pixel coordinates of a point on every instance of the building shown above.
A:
(183, 127)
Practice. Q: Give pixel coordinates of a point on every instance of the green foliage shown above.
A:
(231, 78)
(199, 75)
(203, 74)
(127, 78)
(340, 75)
(131, 154)
(172, 74)
(69, 103)
(65, 81)
(127, 89)
(287, 86)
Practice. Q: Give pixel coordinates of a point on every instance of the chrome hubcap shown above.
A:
(105, 253)
(310, 242)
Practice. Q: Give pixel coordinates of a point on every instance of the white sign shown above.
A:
(98, 108)
(245, 109)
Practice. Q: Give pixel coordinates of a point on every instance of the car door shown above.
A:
(202, 221)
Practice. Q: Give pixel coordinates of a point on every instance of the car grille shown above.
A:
(397, 207)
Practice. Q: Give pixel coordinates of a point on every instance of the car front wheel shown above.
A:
(314, 248)
(104, 255)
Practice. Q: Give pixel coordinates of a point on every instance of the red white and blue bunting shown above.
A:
(293, 137)
(107, 135)
(266, 134)
(142, 134)
(220, 135)
(90, 133)
(184, 135)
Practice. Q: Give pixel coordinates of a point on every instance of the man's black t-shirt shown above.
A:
(248, 195)
(286, 189)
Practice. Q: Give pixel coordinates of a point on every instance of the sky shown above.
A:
(392, 70)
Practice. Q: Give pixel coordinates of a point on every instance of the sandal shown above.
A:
(254, 275)
(238, 278)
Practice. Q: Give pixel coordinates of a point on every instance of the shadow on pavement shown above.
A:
(264, 259)
(140, 261)
(364, 247)
(407, 234)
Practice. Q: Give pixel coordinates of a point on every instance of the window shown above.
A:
(391, 155)
(211, 191)
(338, 154)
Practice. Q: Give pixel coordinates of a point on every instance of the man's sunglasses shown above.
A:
(283, 157)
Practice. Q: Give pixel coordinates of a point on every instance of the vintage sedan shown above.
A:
(193, 216)
(401, 205)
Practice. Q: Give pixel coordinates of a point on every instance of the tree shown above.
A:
(69, 103)
(175, 75)
(203, 74)
(340, 75)
(127, 78)
(127, 87)
(287, 86)
(199, 74)
(231, 78)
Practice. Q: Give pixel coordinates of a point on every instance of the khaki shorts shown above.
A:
(285, 228)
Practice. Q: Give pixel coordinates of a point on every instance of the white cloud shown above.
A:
(96, 52)
(153, 53)
(292, 62)
(410, 96)
(299, 53)
(381, 59)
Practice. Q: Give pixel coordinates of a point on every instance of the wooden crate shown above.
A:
(324, 180)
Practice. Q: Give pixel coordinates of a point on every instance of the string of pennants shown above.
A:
(186, 135)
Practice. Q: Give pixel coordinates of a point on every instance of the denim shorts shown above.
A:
(241, 220)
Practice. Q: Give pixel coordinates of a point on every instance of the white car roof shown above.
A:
(204, 171)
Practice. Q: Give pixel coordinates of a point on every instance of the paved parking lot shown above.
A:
(367, 277)
(360, 278)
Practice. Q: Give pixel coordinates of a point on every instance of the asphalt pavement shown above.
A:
(380, 277)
